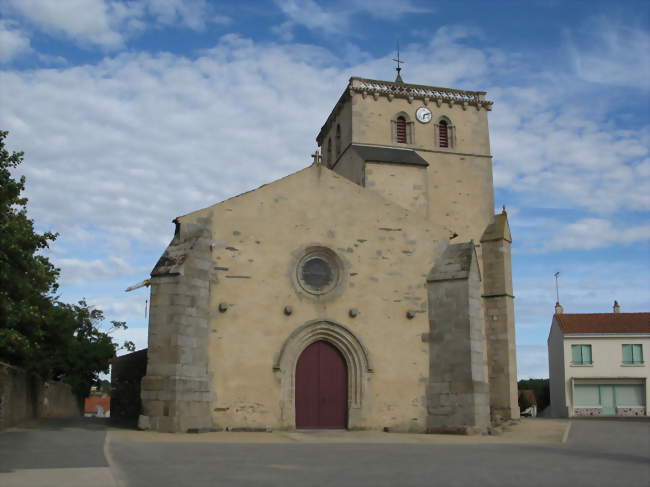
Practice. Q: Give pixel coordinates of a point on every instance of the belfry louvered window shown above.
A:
(443, 135)
(400, 130)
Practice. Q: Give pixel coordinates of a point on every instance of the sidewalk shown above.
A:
(528, 431)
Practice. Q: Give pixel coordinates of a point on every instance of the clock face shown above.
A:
(423, 114)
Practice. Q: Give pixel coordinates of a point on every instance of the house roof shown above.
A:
(604, 322)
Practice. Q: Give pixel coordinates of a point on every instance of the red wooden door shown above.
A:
(321, 388)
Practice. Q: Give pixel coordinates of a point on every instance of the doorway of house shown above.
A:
(321, 388)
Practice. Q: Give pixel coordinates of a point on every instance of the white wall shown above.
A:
(607, 358)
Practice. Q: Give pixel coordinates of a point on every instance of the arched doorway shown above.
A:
(321, 388)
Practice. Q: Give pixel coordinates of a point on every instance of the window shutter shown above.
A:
(628, 356)
(444, 135)
(637, 354)
(400, 126)
(586, 354)
(576, 356)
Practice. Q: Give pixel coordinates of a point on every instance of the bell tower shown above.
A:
(423, 147)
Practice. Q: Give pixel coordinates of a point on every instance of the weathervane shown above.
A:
(398, 79)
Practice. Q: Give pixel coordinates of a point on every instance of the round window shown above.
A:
(318, 271)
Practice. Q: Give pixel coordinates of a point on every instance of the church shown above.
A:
(370, 290)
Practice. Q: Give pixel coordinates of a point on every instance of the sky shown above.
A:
(131, 113)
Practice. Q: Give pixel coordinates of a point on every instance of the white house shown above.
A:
(596, 363)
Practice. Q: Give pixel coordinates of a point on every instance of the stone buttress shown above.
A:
(176, 394)
(498, 302)
(458, 390)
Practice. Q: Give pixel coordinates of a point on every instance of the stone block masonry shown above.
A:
(499, 310)
(458, 393)
(176, 395)
(24, 397)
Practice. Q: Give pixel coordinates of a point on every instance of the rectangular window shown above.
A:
(581, 354)
(632, 353)
(586, 395)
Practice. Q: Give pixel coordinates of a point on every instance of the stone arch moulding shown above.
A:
(356, 358)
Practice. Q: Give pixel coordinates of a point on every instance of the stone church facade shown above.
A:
(370, 290)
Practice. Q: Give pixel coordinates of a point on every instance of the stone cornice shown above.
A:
(420, 92)
(390, 89)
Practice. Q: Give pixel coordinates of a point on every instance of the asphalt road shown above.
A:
(597, 453)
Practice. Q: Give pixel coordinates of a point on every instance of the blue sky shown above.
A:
(133, 112)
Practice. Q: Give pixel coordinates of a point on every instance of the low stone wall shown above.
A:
(596, 411)
(630, 411)
(24, 397)
(586, 412)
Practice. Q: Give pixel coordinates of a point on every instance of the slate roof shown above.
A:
(604, 322)
(389, 154)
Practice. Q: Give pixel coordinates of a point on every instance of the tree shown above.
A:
(27, 279)
(524, 403)
(541, 389)
(37, 331)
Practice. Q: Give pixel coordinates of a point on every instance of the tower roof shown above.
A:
(396, 89)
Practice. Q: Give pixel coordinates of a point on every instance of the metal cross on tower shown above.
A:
(398, 79)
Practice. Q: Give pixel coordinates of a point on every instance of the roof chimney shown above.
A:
(558, 308)
(617, 307)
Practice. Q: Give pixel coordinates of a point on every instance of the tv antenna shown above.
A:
(557, 287)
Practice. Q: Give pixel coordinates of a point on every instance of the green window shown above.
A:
(632, 354)
(581, 354)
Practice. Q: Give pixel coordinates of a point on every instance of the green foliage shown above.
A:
(27, 279)
(541, 389)
(37, 331)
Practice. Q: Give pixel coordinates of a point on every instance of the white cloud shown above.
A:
(126, 145)
(13, 42)
(543, 142)
(612, 53)
(532, 362)
(138, 336)
(82, 20)
(311, 15)
(74, 271)
(593, 233)
(192, 14)
(336, 16)
(108, 23)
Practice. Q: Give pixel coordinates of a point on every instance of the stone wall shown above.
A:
(458, 390)
(630, 411)
(498, 302)
(24, 397)
(175, 393)
(586, 411)
(620, 411)
(126, 373)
